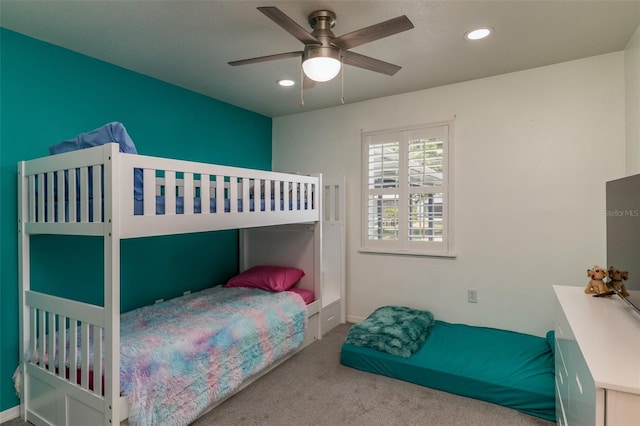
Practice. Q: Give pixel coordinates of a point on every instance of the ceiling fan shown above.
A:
(324, 53)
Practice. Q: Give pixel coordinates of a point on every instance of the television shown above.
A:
(623, 235)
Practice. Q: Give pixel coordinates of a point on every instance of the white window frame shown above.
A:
(402, 245)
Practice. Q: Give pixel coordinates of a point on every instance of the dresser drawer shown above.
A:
(330, 317)
(561, 415)
(311, 333)
(563, 340)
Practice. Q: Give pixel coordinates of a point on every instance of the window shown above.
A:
(407, 190)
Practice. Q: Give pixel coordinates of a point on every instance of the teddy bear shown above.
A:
(596, 284)
(616, 280)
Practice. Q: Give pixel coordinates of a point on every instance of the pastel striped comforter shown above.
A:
(180, 356)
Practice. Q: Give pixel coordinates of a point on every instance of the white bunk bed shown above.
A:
(284, 206)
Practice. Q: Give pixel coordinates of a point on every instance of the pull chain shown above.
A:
(342, 77)
(301, 87)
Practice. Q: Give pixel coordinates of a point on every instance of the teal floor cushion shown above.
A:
(502, 367)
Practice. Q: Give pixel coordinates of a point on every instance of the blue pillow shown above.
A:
(110, 132)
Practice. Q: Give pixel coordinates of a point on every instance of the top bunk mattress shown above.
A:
(499, 366)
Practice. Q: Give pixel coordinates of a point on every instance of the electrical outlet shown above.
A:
(472, 295)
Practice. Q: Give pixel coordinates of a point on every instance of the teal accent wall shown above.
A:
(48, 94)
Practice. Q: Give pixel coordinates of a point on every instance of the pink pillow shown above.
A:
(307, 295)
(270, 278)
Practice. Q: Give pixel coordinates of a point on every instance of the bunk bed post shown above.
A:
(24, 281)
(113, 191)
(317, 201)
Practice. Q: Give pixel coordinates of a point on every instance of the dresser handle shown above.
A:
(579, 384)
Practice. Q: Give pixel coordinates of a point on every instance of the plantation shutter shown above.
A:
(405, 196)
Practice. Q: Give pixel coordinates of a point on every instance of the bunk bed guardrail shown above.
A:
(184, 196)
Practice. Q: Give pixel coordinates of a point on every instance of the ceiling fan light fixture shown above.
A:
(321, 63)
(321, 69)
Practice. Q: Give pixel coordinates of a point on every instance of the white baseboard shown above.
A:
(355, 319)
(9, 414)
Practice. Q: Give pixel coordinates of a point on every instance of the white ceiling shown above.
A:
(188, 43)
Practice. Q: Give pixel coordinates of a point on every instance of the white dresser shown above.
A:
(597, 360)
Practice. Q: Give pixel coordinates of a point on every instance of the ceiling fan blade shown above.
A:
(266, 58)
(372, 33)
(277, 16)
(369, 63)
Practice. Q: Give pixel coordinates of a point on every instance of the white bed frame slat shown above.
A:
(188, 193)
(219, 193)
(170, 193)
(267, 195)
(127, 198)
(51, 339)
(73, 194)
(31, 191)
(205, 193)
(84, 194)
(84, 355)
(61, 202)
(246, 201)
(41, 203)
(149, 177)
(42, 341)
(286, 190)
(97, 194)
(73, 351)
(62, 345)
(277, 190)
(50, 196)
(33, 330)
(233, 195)
(97, 360)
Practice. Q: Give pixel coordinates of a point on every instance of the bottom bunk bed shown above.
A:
(502, 367)
(179, 358)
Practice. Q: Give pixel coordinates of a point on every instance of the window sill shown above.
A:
(448, 255)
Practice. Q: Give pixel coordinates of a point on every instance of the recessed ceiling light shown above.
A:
(286, 82)
(478, 33)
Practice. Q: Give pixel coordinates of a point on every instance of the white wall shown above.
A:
(632, 89)
(533, 150)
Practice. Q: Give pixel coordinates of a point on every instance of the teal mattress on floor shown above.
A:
(502, 367)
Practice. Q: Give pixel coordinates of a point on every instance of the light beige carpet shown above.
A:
(313, 388)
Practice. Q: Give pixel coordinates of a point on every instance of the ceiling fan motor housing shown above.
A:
(325, 19)
(322, 21)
